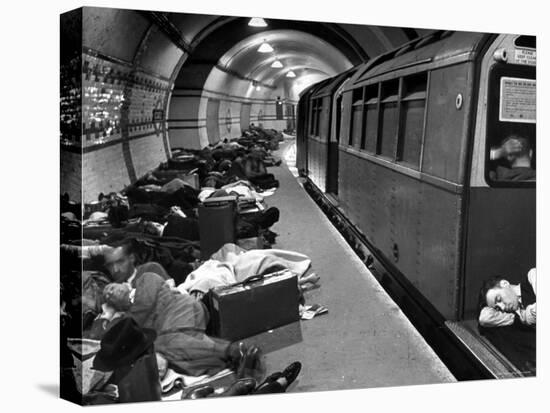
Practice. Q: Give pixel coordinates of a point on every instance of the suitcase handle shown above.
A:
(252, 279)
(249, 280)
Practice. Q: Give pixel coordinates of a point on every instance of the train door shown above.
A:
(501, 221)
(301, 133)
(333, 152)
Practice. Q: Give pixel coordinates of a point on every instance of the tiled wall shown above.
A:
(104, 170)
(121, 140)
(147, 153)
(187, 121)
(117, 99)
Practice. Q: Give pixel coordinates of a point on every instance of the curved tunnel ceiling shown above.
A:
(296, 50)
(229, 44)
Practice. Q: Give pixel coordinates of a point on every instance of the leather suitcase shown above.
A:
(258, 304)
(216, 224)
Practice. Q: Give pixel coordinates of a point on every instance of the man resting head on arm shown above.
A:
(502, 303)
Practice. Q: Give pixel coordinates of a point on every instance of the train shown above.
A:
(399, 152)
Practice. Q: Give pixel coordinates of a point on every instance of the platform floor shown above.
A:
(365, 340)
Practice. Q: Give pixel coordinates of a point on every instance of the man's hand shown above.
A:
(510, 147)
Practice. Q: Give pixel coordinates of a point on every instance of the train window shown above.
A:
(511, 126)
(315, 117)
(356, 114)
(312, 117)
(389, 119)
(370, 117)
(319, 111)
(413, 104)
(526, 41)
(315, 112)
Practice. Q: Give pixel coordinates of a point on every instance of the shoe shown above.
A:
(235, 353)
(240, 388)
(199, 393)
(291, 372)
(270, 379)
(249, 363)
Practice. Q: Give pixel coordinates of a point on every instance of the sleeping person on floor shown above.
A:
(508, 318)
(503, 303)
(178, 319)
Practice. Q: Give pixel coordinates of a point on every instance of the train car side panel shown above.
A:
(412, 223)
(446, 124)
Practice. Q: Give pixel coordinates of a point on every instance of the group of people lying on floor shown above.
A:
(136, 255)
(178, 316)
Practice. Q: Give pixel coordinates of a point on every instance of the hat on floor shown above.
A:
(122, 344)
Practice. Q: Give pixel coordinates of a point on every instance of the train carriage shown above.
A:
(322, 135)
(415, 175)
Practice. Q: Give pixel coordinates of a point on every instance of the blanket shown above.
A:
(232, 264)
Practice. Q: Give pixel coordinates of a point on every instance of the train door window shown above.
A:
(315, 116)
(413, 104)
(389, 119)
(356, 114)
(339, 110)
(370, 116)
(311, 117)
(319, 108)
(511, 126)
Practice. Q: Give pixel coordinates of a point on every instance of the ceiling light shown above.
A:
(291, 74)
(257, 22)
(258, 88)
(265, 48)
(277, 64)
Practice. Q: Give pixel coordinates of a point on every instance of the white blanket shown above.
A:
(232, 264)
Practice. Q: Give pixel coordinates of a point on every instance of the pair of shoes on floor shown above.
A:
(290, 374)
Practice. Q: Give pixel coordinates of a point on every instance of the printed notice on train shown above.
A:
(526, 56)
(518, 100)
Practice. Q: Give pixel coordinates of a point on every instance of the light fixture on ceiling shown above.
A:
(291, 74)
(258, 88)
(257, 22)
(277, 64)
(265, 48)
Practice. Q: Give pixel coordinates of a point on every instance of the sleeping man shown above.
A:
(503, 303)
(178, 319)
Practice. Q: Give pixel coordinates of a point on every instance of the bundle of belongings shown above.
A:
(268, 138)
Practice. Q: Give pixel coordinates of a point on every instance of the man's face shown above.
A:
(120, 265)
(503, 297)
